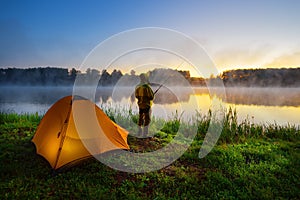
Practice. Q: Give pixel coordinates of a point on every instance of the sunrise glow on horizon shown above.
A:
(234, 34)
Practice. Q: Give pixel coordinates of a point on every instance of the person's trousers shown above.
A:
(144, 116)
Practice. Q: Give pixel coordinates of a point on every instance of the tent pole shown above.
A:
(63, 134)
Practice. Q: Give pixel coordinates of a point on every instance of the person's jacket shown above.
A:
(144, 94)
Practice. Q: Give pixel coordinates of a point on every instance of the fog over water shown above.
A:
(259, 105)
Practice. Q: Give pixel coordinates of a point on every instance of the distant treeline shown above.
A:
(284, 77)
(50, 76)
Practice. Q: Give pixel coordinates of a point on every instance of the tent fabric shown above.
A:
(73, 129)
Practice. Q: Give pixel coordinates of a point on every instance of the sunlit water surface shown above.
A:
(258, 105)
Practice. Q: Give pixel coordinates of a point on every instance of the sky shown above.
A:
(234, 33)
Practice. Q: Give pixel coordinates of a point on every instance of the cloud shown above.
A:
(242, 57)
(286, 60)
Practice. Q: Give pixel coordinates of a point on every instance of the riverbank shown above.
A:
(249, 162)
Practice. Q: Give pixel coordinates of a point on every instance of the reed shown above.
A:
(232, 130)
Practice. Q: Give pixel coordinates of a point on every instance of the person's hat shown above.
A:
(143, 77)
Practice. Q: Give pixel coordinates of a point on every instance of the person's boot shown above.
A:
(145, 131)
(140, 131)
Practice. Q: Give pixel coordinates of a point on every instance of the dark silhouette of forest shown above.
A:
(285, 77)
(37, 76)
(50, 76)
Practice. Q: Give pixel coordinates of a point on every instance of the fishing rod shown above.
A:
(166, 79)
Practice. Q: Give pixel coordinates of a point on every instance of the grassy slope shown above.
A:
(249, 162)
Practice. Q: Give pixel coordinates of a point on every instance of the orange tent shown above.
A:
(73, 129)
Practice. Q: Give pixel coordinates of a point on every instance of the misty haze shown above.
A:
(259, 95)
(281, 105)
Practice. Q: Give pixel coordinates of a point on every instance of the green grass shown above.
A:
(249, 162)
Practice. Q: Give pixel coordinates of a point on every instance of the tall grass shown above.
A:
(16, 118)
(239, 132)
(17, 126)
(232, 130)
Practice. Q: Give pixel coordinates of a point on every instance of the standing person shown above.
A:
(145, 96)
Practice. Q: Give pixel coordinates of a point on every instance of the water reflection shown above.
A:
(257, 96)
(264, 96)
(34, 95)
(163, 96)
(270, 105)
(237, 96)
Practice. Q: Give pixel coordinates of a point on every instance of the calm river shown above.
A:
(259, 105)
